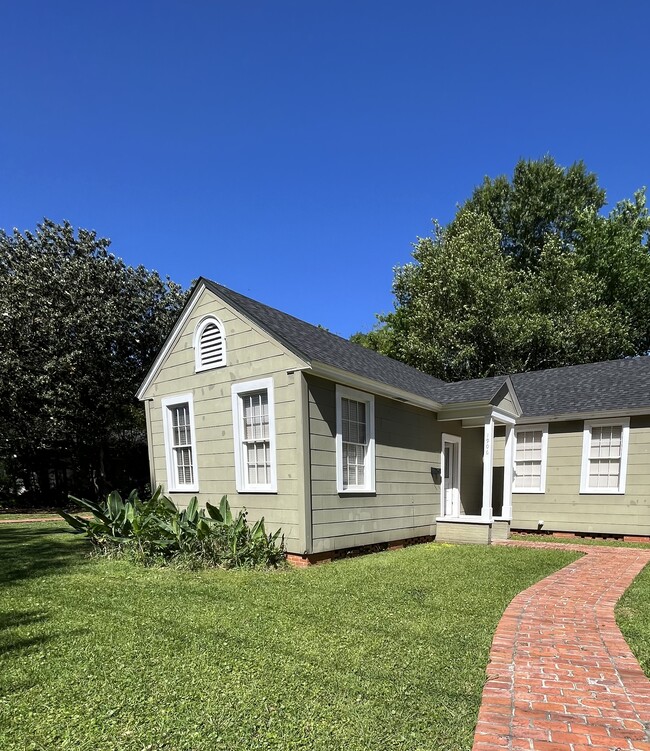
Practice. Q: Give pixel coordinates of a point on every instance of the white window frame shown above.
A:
(198, 333)
(542, 480)
(624, 424)
(173, 485)
(241, 475)
(343, 392)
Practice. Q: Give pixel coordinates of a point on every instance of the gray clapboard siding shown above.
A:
(250, 355)
(407, 499)
(326, 544)
(563, 508)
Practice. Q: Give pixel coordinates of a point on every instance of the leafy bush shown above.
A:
(155, 531)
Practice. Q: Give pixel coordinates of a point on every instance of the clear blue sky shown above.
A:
(294, 149)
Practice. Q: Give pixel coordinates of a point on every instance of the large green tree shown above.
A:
(530, 274)
(79, 328)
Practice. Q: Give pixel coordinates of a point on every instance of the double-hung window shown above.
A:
(180, 443)
(355, 441)
(529, 471)
(604, 456)
(254, 435)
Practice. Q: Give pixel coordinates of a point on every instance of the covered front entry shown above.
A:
(470, 509)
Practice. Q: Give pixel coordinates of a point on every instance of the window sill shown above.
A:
(520, 491)
(356, 491)
(600, 491)
(193, 489)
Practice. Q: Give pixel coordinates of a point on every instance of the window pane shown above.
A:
(605, 456)
(354, 421)
(184, 466)
(528, 460)
(258, 462)
(181, 432)
(256, 416)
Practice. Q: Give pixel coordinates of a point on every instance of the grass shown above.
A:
(28, 515)
(633, 617)
(579, 540)
(380, 652)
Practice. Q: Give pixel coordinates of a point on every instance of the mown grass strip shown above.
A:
(579, 540)
(633, 617)
(385, 651)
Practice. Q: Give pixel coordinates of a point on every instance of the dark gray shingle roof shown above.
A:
(604, 386)
(476, 390)
(315, 344)
(601, 386)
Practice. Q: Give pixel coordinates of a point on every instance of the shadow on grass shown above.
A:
(33, 551)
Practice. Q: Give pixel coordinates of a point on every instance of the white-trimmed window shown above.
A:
(254, 433)
(180, 443)
(355, 441)
(209, 344)
(604, 456)
(530, 450)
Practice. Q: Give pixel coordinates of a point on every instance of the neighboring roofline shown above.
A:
(586, 415)
(347, 378)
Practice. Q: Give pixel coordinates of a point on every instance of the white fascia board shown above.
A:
(595, 415)
(465, 411)
(171, 340)
(371, 386)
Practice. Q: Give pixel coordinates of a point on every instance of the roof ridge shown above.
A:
(321, 331)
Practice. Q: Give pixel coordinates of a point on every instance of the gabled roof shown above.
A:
(476, 390)
(314, 344)
(616, 385)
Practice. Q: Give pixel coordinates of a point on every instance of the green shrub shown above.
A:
(156, 532)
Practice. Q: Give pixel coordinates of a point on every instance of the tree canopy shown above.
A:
(79, 328)
(529, 274)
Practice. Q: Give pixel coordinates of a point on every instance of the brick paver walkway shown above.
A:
(561, 677)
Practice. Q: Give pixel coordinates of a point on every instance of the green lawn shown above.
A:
(633, 617)
(32, 515)
(579, 541)
(380, 652)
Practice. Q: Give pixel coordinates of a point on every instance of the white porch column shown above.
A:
(508, 463)
(488, 454)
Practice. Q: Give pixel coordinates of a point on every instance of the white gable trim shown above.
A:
(171, 340)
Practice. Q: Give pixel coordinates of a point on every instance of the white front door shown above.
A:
(451, 475)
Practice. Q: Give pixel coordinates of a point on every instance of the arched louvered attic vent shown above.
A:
(209, 344)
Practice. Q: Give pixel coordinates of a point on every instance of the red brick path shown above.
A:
(561, 677)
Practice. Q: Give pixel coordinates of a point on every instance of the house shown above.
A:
(342, 447)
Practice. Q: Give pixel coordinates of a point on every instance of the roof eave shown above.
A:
(347, 378)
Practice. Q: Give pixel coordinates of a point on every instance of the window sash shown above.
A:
(529, 460)
(604, 456)
(354, 441)
(254, 436)
(180, 443)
